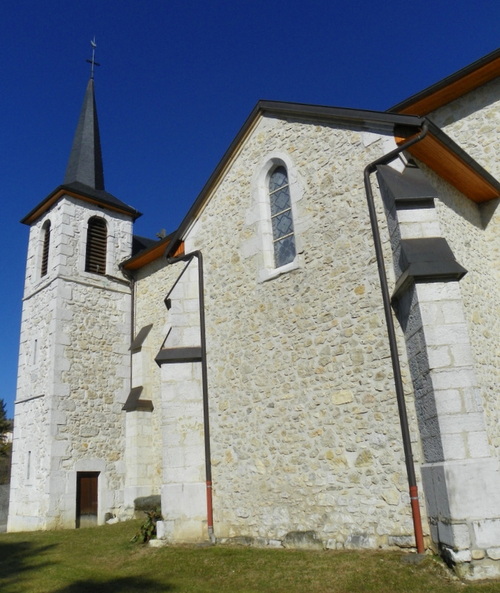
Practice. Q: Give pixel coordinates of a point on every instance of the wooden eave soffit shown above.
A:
(453, 90)
(151, 254)
(451, 167)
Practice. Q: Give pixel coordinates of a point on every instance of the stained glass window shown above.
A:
(281, 217)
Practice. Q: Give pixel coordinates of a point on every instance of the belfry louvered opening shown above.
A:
(45, 248)
(95, 259)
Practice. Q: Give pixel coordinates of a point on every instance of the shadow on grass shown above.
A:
(119, 585)
(19, 558)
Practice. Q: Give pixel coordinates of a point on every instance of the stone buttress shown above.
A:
(460, 474)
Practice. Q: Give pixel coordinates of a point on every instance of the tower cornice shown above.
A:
(81, 192)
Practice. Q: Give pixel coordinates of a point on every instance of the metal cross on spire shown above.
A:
(92, 61)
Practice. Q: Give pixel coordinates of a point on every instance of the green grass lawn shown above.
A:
(103, 560)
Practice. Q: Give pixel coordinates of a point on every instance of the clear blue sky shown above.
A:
(176, 82)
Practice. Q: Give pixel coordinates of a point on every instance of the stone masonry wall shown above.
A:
(473, 232)
(477, 248)
(305, 430)
(94, 338)
(31, 443)
(76, 325)
(152, 285)
(97, 374)
(29, 504)
(473, 122)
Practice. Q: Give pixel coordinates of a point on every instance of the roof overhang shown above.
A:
(151, 254)
(86, 194)
(438, 151)
(364, 120)
(453, 87)
(361, 119)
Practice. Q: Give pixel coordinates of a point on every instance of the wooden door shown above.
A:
(86, 498)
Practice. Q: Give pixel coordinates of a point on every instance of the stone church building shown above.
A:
(311, 358)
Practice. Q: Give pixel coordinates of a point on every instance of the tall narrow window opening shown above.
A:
(281, 217)
(95, 258)
(45, 248)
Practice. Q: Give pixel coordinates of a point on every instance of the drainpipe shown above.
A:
(204, 378)
(131, 280)
(398, 382)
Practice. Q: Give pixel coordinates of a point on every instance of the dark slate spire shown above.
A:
(84, 177)
(85, 160)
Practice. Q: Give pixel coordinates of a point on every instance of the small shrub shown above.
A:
(147, 530)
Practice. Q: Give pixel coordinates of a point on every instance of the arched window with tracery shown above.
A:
(45, 248)
(281, 217)
(95, 255)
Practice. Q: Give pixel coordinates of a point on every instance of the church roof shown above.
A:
(452, 87)
(84, 178)
(84, 193)
(85, 159)
(144, 251)
(359, 118)
(437, 150)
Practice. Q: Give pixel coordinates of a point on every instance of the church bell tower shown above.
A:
(74, 361)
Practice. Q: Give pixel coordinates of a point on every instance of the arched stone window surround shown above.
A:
(96, 245)
(261, 215)
(117, 237)
(44, 248)
(281, 217)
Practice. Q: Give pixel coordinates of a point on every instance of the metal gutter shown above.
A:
(361, 118)
(396, 367)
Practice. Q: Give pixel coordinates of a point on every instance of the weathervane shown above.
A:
(92, 61)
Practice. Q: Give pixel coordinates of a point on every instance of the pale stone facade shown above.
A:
(257, 400)
(298, 425)
(74, 372)
(473, 233)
